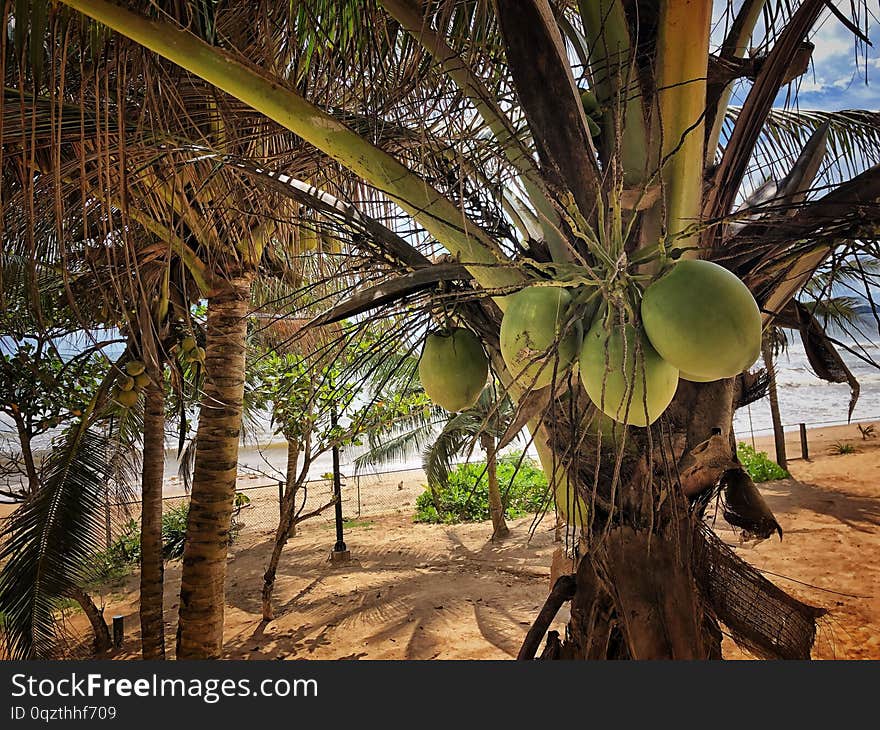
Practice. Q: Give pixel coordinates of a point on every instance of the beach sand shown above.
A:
(435, 591)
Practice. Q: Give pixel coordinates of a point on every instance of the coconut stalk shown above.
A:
(410, 17)
(682, 64)
(736, 45)
(615, 81)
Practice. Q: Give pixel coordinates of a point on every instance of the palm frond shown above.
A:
(51, 541)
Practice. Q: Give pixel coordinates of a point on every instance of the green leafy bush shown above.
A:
(116, 561)
(758, 465)
(174, 531)
(465, 497)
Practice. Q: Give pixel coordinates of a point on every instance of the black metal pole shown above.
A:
(339, 547)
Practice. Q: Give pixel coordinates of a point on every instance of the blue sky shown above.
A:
(834, 81)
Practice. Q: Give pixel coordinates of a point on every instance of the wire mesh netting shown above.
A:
(258, 507)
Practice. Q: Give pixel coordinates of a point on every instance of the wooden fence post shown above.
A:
(805, 450)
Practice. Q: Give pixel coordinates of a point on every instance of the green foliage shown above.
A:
(174, 531)
(116, 562)
(840, 448)
(758, 465)
(465, 495)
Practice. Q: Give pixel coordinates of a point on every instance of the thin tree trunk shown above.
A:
(778, 432)
(202, 585)
(27, 454)
(95, 617)
(152, 568)
(290, 482)
(496, 506)
(286, 528)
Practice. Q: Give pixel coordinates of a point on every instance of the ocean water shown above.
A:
(803, 398)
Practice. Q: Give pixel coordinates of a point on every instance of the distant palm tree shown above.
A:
(444, 437)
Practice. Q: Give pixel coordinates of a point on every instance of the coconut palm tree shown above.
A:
(510, 181)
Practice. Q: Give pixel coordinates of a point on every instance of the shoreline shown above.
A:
(820, 439)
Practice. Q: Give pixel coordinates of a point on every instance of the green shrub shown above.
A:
(758, 465)
(174, 531)
(465, 497)
(116, 561)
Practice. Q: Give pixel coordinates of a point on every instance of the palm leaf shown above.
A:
(51, 541)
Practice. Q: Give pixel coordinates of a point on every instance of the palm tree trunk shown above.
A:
(496, 506)
(152, 569)
(778, 433)
(202, 585)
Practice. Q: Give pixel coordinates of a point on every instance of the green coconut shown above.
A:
(126, 398)
(141, 381)
(695, 378)
(569, 504)
(453, 369)
(125, 382)
(134, 367)
(532, 343)
(629, 389)
(188, 343)
(703, 320)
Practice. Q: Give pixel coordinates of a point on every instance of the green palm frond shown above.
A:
(51, 540)
(853, 143)
(410, 437)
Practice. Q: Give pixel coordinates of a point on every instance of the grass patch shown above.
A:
(840, 448)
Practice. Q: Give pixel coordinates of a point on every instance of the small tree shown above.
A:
(306, 404)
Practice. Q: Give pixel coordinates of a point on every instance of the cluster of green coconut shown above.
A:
(190, 351)
(129, 383)
(697, 322)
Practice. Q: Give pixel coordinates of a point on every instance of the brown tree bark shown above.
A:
(778, 432)
(95, 616)
(27, 453)
(647, 583)
(152, 565)
(290, 479)
(202, 586)
(496, 506)
(286, 529)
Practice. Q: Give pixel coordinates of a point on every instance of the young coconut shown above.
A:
(532, 341)
(453, 369)
(703, 320)
(134, 368)
(630, 387)
(141, 381)
(125, 382)
(126, 398)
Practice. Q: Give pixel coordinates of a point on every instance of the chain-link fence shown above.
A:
(258, 507)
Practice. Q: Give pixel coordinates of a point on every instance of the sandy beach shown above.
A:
(446, 592)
